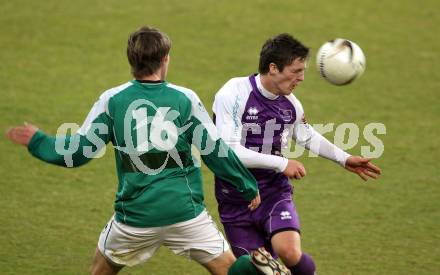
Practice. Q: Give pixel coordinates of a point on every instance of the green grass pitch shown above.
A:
(56, 57)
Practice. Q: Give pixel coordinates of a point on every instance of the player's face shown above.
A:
(290, 77)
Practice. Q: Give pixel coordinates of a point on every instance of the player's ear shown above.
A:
(273, 68)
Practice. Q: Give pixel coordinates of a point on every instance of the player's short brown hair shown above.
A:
(146, 49)
(281, 50)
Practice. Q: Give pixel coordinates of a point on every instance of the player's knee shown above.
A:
(229, 259)
(290, 255)
(221, 264)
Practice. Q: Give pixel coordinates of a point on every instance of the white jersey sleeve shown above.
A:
(229, 104)
(306, 136)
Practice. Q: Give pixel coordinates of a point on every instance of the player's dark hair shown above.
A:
(281, 50)
(146, 49)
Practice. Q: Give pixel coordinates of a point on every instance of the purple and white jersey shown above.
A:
(247, 114)
(257, 125)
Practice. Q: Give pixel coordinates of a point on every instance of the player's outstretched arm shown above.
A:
(44, 147)
(81, 147)
(362, 167)
(324, 148)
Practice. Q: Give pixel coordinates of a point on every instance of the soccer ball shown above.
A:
(340, 61)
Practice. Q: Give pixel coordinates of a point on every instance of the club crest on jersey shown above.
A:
(252, 113)
(286, 115)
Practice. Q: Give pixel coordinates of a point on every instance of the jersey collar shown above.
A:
(148, 83)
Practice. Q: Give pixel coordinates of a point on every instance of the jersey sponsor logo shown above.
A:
(252, 113)
(249, 125)
(285, 215)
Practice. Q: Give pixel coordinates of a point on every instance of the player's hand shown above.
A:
(294, 170)
(21, 134)
(362, 167)
(255, 203)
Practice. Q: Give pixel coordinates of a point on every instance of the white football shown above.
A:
(340, 61)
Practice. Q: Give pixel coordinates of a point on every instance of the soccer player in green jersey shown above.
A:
(152, 125)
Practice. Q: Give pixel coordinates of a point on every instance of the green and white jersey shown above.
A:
(152, 127)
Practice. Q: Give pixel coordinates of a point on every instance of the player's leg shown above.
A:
(266, 264)
(243, 238)
(287, 245)
(248, 240)
(200, 240)
(260, 263)
(101, 266)
(221, 264)
(247, 243)
(283, 226)
(121, 245)
(243, 265)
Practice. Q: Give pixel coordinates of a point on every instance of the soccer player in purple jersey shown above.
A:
(256, 116)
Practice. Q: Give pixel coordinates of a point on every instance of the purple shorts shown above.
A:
(251, 230)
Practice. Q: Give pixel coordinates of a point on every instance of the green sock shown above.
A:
(243, 266)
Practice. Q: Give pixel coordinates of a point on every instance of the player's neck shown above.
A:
(159, 75)
(268, 85)
(152, 77)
